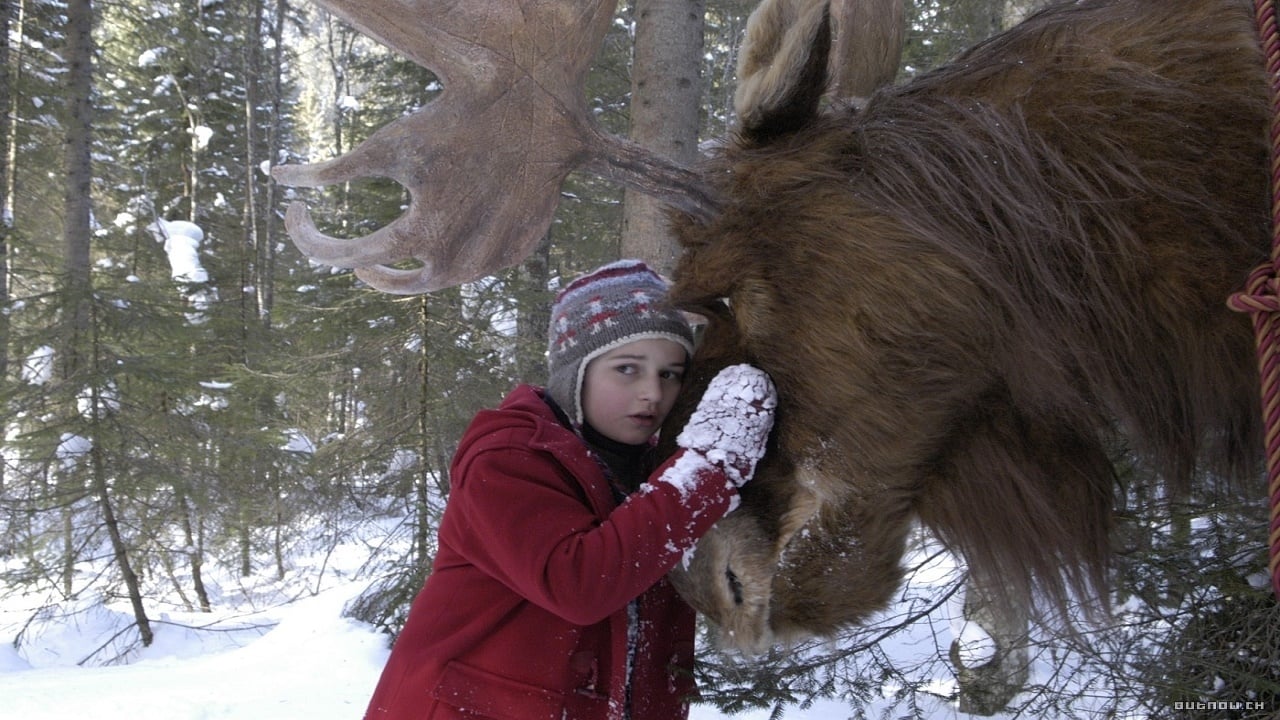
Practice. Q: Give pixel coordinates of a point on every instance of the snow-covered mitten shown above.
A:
(732, 421)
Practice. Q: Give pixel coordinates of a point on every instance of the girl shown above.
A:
(547, 599)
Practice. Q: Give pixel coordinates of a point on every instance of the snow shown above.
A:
(182, 243)
(273, 650)
(974, 646)
(728, 427)
(280, 649)
(71, 449)
(402, 461)
(37, 369)
(683, 473)
(202, 134)
(150, 57)
(105, 399)
(310, 663)
(297, 441)
(305, 663)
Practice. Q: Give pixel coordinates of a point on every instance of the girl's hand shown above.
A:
(732, 421)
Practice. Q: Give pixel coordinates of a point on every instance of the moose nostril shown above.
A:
(735, 585)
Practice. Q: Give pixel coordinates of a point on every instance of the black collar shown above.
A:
(625, 465)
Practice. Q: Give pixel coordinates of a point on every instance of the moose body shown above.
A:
(968, 290)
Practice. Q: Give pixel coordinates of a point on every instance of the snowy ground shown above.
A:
(302, 661)
(281, 650)
(312, 665)
(271, 651)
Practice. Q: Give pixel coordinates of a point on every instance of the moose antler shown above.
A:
(484, 161)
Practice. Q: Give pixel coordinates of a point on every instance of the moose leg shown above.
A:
(1052, 482)
(988, 684)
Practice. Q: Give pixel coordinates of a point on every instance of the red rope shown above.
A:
(1260, 298)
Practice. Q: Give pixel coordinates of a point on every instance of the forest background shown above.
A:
(181, 389)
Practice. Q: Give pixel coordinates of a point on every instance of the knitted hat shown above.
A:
(616, 304)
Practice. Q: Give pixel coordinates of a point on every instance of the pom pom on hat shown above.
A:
(613, 305)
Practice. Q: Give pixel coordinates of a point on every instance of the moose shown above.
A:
(970, 288)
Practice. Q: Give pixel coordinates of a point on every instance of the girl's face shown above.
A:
(628, 391)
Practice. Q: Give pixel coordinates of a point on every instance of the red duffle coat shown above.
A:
(525, 614)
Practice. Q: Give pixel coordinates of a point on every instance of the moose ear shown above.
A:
(782, 67)
(867, 46)
(796, 51)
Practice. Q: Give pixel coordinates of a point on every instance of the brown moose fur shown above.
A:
(968, 292)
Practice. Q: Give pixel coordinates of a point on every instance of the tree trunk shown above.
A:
(68, 568)
(76, 213)
(243, 540)
(990, 16)
(533, 314)
(666, 89)
(78, 139)
(267, 250)
(252, 270)
(6, 215)
(1016, 11)
(422, 495)
(119, 547)
(277, 530)
(6, 188)
(77, 208)
(194, 550)
(339, 42)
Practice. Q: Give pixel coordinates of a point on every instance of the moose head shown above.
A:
(970, 289)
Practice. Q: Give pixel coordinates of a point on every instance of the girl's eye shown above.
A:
(672, 375)
(626, 369)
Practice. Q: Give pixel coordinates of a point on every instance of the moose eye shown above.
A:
(714, 308)
(735, 585)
